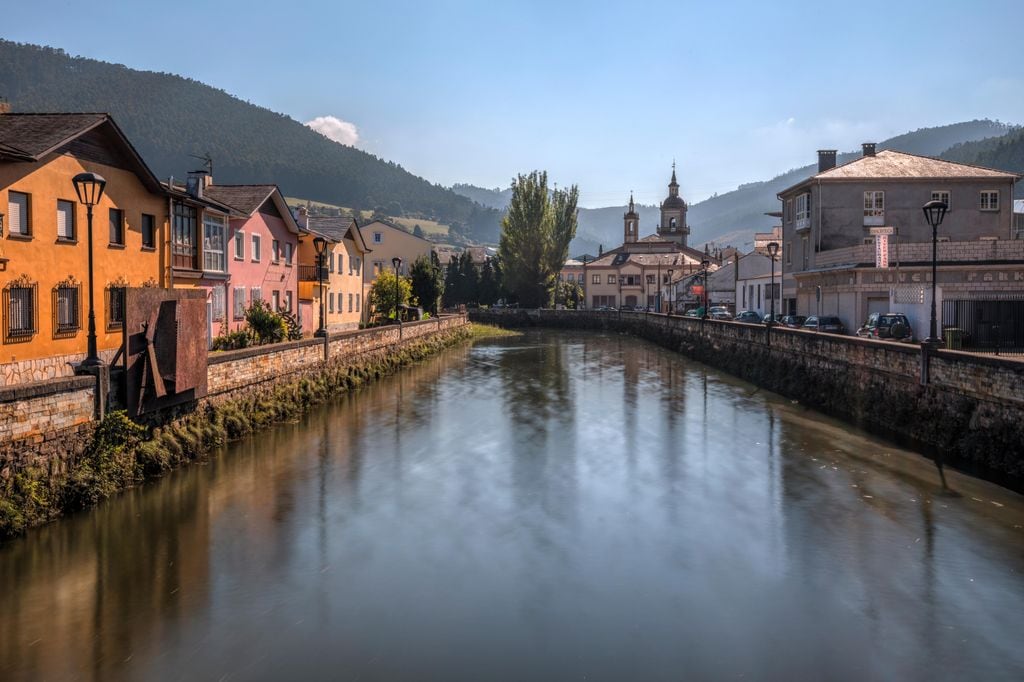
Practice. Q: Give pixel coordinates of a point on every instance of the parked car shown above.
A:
(692, 312)
(892, 326)
(748, 316)
(793, 321)
(825, 323)
(769, 319)
(719, 312)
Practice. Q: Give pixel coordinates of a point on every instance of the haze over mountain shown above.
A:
(733, 217)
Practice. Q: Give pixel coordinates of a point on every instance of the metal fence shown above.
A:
(992, 326)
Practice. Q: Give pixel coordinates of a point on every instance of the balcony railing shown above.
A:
(308, 273)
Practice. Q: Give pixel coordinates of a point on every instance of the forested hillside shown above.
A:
(168, 118)
(1005, 152)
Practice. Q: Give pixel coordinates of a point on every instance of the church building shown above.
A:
(640, 272)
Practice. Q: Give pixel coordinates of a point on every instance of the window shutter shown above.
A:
(65, 220)
(17, 212)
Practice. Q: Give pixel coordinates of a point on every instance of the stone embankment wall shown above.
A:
(47, 424)
(971, 411)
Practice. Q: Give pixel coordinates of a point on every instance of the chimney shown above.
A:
(869, 148)
(5, 106)
(826, 159)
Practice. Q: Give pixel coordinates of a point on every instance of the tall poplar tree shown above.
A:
(535, 236)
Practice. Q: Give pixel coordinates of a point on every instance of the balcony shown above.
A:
(803, 224)
(874, 217)
(308, 273)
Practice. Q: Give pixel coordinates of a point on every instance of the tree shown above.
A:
(535, 236)
(451, 283)
(384, 290)
(568, 294)
(418, 231)
(488, 287)
(427, 281)
(469, 279)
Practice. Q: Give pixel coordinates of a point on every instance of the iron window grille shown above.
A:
(67, 309)
(114, 302)
(21, 315)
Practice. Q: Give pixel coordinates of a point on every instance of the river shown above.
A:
(555, 506)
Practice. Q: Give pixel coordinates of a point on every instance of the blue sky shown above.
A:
(604, 95)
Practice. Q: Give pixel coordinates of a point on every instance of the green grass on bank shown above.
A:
(485, 331)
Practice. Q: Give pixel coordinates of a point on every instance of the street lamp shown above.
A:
(934, 212)
(320, 245)
(670, 291)
(773, 251)
(585, 261)
(397, 262)
(89, 187)
(704, 264)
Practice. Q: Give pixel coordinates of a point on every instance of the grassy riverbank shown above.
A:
(484, 331)
(123, 453)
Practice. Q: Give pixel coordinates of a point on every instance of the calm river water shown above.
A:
(551, 507)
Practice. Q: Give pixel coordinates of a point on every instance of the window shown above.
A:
(256, 248)
(330, 262)
(804, 259)
(341, 263)
(874, 208)
(989, 200)
(788, 210)
(115, 306)
(595, 279)
(350, 302)
(664, 279)
(148, 231)
(19, 311)
(214, 258)
(330, 302)
(612, 279)
(942, 195)
(288, 253)
(355, 264)
(357, 303)
(217, 299)
(65, 220)
(651, 279)
(66, 309)
(183, 237)
(18, 214)
(239, 303)
(239, 245)
(275, 298)
(117, 226)
(275, 251)
(255, 294)
(378, 238)
(803, 211)
(789, 253)
(288, 301)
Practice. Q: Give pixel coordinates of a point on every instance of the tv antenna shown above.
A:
(207, 161)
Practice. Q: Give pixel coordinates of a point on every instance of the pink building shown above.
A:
(262, 251)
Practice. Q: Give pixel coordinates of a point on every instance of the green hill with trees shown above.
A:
(169, 118)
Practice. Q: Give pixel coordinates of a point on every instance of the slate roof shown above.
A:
(31, 136)
(336, 228)
(649, 260)
(245, 198)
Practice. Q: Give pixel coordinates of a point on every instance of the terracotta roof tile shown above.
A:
(892, 164)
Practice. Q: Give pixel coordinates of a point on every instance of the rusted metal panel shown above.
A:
(166, 355)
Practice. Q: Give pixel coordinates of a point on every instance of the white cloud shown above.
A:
(333, 128)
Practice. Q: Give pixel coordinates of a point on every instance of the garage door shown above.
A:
(878, 305)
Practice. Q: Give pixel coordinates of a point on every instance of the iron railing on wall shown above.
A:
(985, 326)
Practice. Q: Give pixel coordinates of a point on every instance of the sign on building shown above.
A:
(882, 250)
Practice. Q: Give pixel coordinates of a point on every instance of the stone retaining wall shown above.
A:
(972, 410)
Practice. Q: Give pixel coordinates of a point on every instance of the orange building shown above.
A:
(43, 239)
(343, 284)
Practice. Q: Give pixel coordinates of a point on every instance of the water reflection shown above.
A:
(553, 507)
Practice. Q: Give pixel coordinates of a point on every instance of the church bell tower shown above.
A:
(631, 223)
(673, 225)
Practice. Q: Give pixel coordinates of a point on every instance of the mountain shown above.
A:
(169, 118)
(733, 217)
(1005, 152)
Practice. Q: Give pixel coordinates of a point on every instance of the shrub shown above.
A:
(265, 325)
(232, 340)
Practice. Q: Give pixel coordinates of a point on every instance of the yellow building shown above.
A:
(389, 241)
(43, 249)
(343, 291)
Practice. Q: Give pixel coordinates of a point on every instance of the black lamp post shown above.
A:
(320, 245)
(704, 265)
(773, 251)
(670, 291)
(397, 262)
(89, 187)
(934, 212)
(585, 261)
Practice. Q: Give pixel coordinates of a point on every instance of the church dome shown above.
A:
(673, 202)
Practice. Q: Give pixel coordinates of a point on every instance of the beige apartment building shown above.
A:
(344, 260)
(388, 241)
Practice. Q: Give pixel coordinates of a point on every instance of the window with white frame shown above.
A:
(65, 220)
(287, 253)
(874, 207)
(256, 255)
(988, 200)
(651, 279)
(239, 245)
(218, 306)
(275, 251)
(595, 279)
(239, 303)
(378, 237)
(275, 299)
(612, 279)
(214, 258)
(255, 294)
(803, 208)
(18, 222)
(942, 195)
(288, 300)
